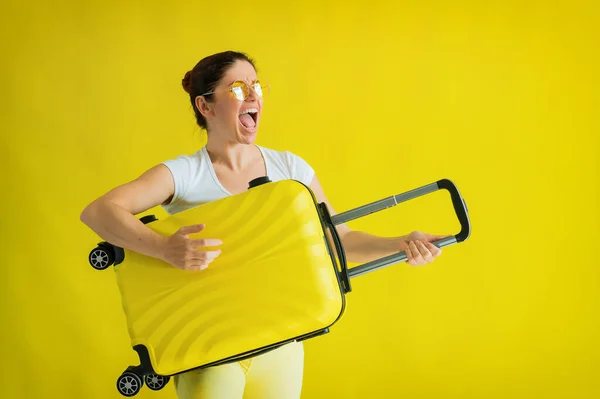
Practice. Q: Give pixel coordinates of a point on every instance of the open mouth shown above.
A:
(248, 118)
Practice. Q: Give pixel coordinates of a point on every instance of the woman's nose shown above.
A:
(252, 95)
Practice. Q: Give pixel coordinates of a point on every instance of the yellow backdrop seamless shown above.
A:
(380, 98)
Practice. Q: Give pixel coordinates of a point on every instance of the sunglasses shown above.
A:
(241, 89)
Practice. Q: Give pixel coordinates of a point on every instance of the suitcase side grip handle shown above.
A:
(337, 242)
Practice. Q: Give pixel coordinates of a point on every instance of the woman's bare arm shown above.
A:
(112, 216)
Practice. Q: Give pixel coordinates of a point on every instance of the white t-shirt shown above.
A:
(196, 182)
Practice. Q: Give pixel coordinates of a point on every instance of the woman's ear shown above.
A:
(203, 106)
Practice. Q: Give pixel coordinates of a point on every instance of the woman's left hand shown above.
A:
(419, 248)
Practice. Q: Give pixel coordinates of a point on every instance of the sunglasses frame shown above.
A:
(249, 87)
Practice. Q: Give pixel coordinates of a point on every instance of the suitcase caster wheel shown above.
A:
(129, 384)
(156, 382)
(101, 257)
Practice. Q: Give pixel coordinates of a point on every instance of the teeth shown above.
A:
(249, 111)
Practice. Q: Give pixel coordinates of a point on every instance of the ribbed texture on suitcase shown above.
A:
(273, 281)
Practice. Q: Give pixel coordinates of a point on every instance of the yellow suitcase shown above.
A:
(277, 280)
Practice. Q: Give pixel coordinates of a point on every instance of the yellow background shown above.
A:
(379, 97)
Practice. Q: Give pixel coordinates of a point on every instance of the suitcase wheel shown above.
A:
(101, 257)
(129, 384)
(156, 382)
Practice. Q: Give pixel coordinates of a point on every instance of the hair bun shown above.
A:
(186, 82)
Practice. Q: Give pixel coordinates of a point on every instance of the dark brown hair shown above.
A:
(206, 74)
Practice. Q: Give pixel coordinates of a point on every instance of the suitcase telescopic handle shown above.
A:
(460, 208)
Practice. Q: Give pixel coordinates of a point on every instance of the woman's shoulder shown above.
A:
(292, 164)
(287, 156)
(188, 164)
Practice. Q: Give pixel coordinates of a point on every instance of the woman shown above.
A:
(227, 99)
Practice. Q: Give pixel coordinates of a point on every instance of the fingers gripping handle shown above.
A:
(392, 259)
(460, 208)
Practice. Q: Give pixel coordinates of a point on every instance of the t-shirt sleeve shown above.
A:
(300, 169)
(181, 169)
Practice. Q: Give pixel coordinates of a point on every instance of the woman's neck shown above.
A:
(233, 156)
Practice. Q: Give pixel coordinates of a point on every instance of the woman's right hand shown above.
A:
(183, 252)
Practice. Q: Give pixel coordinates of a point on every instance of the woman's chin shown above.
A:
(248, 133)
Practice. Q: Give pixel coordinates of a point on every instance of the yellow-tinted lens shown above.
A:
(240, 89)
(258, 89)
